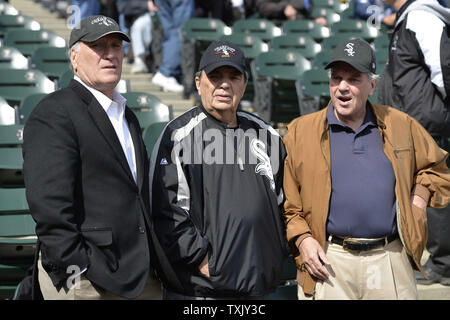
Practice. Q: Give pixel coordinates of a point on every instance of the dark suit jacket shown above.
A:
(89, 211)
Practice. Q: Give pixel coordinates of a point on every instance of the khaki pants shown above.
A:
(85, 290)
(383, 273)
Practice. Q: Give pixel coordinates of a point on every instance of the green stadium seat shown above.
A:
(335, 5)
(11, 167)
(52, 61)
(148, 108)
(12, 271)
(7, 291)
(208, 29)
(11, 22)
(28, 104)
(330, 43)
(27, 41)
(11, 135)
(306, 46)
(281, 64)
(252, 46)
(11, 160)
(197, 34)
(275, 74)
(11, 58)
(307, 28)
(17, 227)
(16, 85)
(355, 28)
(65, 78)
(322, 59)
(331, 15)
(313, 90)
(6, 8)
(7, 113)
(262, 28)
(381, 43)
(151, 135)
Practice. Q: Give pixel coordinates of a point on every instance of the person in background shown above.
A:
(172, 14)
(279, 11)
(137, 15)
(381, 12)
(87, 8)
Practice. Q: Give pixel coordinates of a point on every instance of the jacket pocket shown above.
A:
(100, 241)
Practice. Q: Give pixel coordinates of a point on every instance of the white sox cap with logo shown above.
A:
(357, 53)
(93, 28)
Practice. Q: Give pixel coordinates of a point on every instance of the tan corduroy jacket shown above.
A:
(419, 168)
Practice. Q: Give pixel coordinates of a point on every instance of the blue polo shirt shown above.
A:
(362, 200)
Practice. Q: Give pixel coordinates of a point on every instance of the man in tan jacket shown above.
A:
(358, 178)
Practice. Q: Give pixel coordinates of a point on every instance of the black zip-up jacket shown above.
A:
(218, 191)
(406, 81)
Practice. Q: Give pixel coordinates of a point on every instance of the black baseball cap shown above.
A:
(222, 53)
(93, 28)
(357, 53)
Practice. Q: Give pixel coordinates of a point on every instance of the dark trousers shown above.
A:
(438, 244)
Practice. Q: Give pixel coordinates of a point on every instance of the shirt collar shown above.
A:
(369, 118)
(104, 101)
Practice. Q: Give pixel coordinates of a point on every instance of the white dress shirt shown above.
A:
(115, 109)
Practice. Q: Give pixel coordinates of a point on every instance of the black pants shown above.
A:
(438, 244)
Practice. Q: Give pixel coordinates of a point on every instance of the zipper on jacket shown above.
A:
(398, 212)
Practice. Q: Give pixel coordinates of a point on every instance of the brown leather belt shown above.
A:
(358, 244)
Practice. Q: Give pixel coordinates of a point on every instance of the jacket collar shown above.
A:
(378, 111)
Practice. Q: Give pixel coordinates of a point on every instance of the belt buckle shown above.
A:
(345, 247)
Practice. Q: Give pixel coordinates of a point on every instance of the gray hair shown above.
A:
(372, 76)
(75, 47)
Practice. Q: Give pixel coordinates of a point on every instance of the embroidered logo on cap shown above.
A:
(103, 20)
(350, 50)
(225, 51)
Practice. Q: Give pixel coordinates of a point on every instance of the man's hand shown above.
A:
(418, 202)
(204, 268)
(314, 258)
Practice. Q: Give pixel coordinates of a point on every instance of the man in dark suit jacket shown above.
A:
(86, 175)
